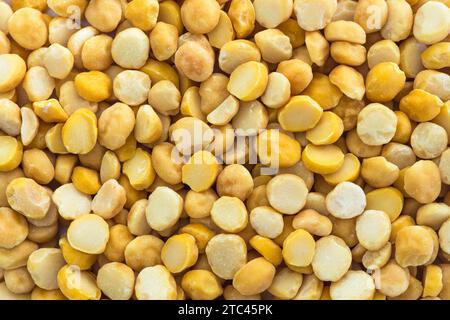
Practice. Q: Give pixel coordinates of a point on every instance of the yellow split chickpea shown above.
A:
(104, 15)
(89, 224)
(274, 45)
(371, 15)
(179, 253)
(14, 228)
(314, 15)
(318, 47)
(94, 86)
(195, 59)
(24, 20)
(115, 125)
(298, 72)
(271, 14)
(377, 124)
(14, 71)
(142, 13)
(422, 181)
(433, 82)
(243, 17)
(410, 51)
(223, 32)
(77, 285)
(96, 53)
(155, 283)
(435, 57)
(431, 22)
(255, 74)
(200, 16)
(254, 277)
(384, 82)
(236, 52)
(348, 53)
(384, 51)
(399, 21)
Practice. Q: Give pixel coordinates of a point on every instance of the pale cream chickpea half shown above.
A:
(347, 200)
(165, 97)
(272, 13)
(134, 149)
(109, 200)
(226, 254)
(355, 285)
(58, 60)
(130, 48)
(132, 87)
(287, 193)
(38, 84)
(251, 117)
(432, 22)
(274, 45)
(267, 222)
(164, 208)
(278, 91)
(11, 120)
(88, 233)
(70, 202)
(376, 124)
(314, 15)
(115, 124)
(116, 280)
(43, 266)
(429, 140)
(373, 229)
(335, 249)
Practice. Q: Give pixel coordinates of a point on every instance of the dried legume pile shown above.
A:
(235, 149)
